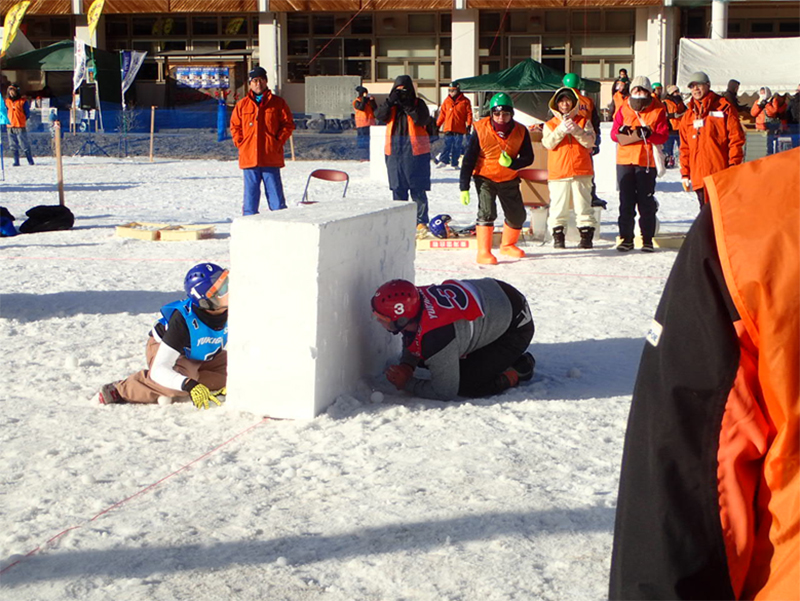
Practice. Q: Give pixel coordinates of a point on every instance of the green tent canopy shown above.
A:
(529, 83)
(527, 76)
(61, 57)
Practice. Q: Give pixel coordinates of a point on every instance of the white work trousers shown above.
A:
(576, 189)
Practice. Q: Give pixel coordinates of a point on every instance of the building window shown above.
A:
(205, 26)
(761, 27)
(789, 27)
(620, 20)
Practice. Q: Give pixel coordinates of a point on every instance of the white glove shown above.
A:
(570, 125)
(562, 127)
(762, 96)
(687, 184)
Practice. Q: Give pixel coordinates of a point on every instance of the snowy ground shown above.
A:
(511, 497)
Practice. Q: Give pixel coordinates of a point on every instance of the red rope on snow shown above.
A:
(20, 257)
(133, 496)
(579, 275)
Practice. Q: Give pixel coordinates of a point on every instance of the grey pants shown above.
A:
(18, 136)
(510, 199)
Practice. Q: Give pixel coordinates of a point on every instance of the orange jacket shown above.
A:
(492, 145)
(569, 154)
(675, 108)
(756, 209)
(16, 112)
(455, 114)
(776, 108)
(716, 145)
(619, 100)
(366, 117)
(420, 141)
(259, 131)
(640, 153)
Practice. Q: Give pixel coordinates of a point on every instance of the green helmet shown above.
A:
(501, 99)
(656, 85)
(571, 81)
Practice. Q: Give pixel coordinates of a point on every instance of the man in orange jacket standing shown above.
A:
(712, 138)
(364, 107)
(17, 107)
(708, 496)
(455, 119)
(261, 124)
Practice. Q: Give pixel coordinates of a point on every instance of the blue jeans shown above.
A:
(452, 148)
(672, 141)
(273, 188)
(18, 136)
(419, 197)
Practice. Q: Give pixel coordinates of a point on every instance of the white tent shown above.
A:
(754, 62)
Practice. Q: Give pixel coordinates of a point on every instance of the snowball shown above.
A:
(70, 362)
(164, 400)
(574, 372)
(376, 397)
(88, 479)
(282, 562)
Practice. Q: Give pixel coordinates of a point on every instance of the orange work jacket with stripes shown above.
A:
(756, 210)
(492, 145)
(420, 142)
(16, 112)
(712, 138)
(455, 115)
(366, 117)
(570, 158)
(641, 153)
(585, 105)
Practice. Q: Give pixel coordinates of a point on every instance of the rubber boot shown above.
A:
(29, 156)
(508, 242)
(484, 234)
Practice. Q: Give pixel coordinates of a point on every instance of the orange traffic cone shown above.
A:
(508, 242)
(484, 234)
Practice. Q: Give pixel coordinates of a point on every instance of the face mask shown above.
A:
(639, 103)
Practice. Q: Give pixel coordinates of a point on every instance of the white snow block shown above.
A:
(377, 154)
(301, 331)
(605, 166)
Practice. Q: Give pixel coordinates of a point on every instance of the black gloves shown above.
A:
(469, 130)
(625, 130)
(644, 131)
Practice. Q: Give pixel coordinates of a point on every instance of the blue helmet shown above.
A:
(205, 284)
(439, 228)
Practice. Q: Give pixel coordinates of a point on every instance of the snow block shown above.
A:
(377, 154)
(301, 331)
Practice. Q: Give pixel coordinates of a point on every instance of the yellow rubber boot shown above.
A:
(484, 234)
(508, 242)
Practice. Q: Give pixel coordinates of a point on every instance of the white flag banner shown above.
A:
(79, 73)
(131, 63)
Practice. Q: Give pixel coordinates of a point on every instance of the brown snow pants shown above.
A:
(139, 388)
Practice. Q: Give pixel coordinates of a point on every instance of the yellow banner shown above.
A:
(11, 24)
(93, 16)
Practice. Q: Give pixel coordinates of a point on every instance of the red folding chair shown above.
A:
(328, 175)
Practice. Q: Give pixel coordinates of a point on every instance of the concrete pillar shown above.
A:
(654, 43)
(719, 19)
(272, 47)
(464, 52)
(301, 330)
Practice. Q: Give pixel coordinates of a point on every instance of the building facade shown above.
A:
(434, 41)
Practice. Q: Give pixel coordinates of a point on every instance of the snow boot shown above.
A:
(647, 245)
(108, 394)
(524, 366)
(587, 233)
(16, 159)
(485, 234)
(625, 245)
(559, 237)
(508, 242)
(508, 379)
(422, 231)
(29, 156)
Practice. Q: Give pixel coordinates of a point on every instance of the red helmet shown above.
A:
(395, 304)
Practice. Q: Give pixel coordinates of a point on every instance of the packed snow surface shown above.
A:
(385, 497)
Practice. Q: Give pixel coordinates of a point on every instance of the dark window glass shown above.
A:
(298, 47)
(559, 64)
(116, 28)
(761, 27)
(297, 71)
(489, 22)
(789, 27)
(323, 24)
(61, 27)
(297, 24)
(361, 24)
(175, 26)
(235, 25)
(332, 49)
(148, 72)
(361, 68)
(144, 25)
(446, 22)
(696, 23)
(357, 47)
(205, 26)
(174, 45)
(234, 45)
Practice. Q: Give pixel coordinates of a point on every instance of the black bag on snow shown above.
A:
(47, 218)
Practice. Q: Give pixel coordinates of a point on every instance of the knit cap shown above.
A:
(640, 81)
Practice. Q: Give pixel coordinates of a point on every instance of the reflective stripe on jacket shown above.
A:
(492, 145)
(756, 209)
(455, 115)
(420, 141)
(640, 153)
(716, 144)
(259, 130)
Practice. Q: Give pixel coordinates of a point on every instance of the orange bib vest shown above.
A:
(570, 158)
(420, 142)
(758, 241)
(366, 117)
(492, 145)
(638, 153)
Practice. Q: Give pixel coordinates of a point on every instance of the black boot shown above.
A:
(587, 233)
(524, 366)
(30, 157)
(16, 160)
(558, 237)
